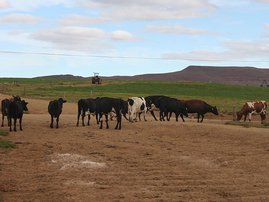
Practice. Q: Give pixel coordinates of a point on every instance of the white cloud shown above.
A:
(20, 5)
(178, 30)
(121, 35)
(4, 4)
(263, 1)
(73, 38)
(75, 19)
(122, 10)
(225, 3)
(19, 18)
(232, 51)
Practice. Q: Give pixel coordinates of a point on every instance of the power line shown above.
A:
(124, 57)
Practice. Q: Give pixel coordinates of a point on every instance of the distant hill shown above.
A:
(63, 77)
(213, 74)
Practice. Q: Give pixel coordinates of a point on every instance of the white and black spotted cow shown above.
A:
(250, 108)
(136, 106)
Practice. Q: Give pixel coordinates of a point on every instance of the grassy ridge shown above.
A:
(221, 95)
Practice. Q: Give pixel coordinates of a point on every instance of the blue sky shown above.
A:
(119, 37)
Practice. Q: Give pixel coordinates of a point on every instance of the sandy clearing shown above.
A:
(152, 161)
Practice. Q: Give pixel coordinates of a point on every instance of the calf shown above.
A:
(249, 108)
(136, 106)
(105, 105)
(15, 111)
(200, 107)
(86, 106)
(55, 109)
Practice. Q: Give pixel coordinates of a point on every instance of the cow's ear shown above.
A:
(64, 101)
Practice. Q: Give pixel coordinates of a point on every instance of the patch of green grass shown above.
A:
(6, 144)
(224, 96)
(248, 124)
(3, 133)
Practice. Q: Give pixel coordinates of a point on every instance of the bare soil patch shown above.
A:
(145, 161)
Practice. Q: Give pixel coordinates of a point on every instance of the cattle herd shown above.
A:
(131, 110)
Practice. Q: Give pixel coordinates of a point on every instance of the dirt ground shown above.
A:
(145, 161)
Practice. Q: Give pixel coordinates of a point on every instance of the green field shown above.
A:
(225, 97)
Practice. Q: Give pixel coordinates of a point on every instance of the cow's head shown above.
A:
(24, 105)
(124, 108)
(150, 105)
(239, 116)
(15, 98)
(61, 101)
(185, 111)
(214, 110)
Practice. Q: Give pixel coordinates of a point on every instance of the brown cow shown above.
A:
(250, 108)
(200, 107)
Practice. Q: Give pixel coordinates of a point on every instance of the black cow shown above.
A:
(152, 103)
(200, 107)
(4, 107)
(105, 105)
(171, 105)
(15, 111)
(86, 106)
(55, 109)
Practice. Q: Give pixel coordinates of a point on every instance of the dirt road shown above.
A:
(152, 161)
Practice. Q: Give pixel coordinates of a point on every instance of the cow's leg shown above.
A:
(170, 114)
(202, 115)
(10, 123)
(152, 113)
(161, 115)
(198, 117)
(89, 119)
(249, 117)
(245, 118)
(20, 123)
(263, 117)
(177, 114)
(57, 122)
(139, 116)
(118, 126)
(3, 117)
(78, 116)
(167, 117)
(131, 117)
(51, 121)
(82, 117)
(144, 113)
(136, 114)
(15, 123)
(106, 115)
(96, 117)
(181, 115)
(101, 120)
